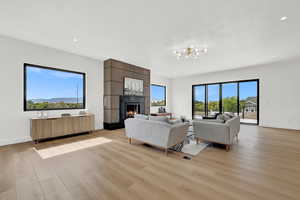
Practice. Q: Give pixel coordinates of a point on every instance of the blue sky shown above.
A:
(46, 84)
(157, 93)
(247, 89)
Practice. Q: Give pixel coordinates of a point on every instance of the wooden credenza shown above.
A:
(42, 128)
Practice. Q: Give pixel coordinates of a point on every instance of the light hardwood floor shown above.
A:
(265, 164)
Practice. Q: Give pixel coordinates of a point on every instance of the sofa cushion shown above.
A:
(159, 118)
(141, 116)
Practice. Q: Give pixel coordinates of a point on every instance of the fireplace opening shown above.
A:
(132, 109)
(129, 106)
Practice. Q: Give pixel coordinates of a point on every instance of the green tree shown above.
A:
(199, 108)
(213, 106)
(230, 104)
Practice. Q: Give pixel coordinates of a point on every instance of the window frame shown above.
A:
(165, 94)
(25, 109)
(220, 96)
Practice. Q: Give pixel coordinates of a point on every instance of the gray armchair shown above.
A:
(157, 133)
(223, 133)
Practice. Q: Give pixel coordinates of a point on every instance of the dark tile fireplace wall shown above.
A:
(114, 73)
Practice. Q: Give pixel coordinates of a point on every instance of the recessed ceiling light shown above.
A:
(75, 39)
(283, 18)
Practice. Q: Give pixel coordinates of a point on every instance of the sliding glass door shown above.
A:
(248, 108)
(198, 101)
(230, 98)
(213, 99)
(236, 97)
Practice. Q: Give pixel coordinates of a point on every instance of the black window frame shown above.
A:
(54, 69)
(220, 96)
(165, 93)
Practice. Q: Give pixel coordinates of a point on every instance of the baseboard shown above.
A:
(287, 129)
(14, 141)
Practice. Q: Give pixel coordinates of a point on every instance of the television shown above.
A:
(47, 88)
(133, 87)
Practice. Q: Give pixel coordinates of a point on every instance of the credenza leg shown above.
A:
(166, 151)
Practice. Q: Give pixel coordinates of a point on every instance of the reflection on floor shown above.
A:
(70, 147)
(249, 121)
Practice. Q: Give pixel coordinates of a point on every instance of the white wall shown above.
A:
(14, 122)
(159, 80)
(279, 91)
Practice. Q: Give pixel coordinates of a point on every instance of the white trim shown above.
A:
(14, 141)
(283, 128)
(28, 139)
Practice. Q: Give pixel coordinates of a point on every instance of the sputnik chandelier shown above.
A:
(189, 52)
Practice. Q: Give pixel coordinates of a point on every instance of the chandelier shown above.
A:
(189, 52)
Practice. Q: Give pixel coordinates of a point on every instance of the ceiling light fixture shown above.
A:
(189, 52)
(283, 18)
(75, 39)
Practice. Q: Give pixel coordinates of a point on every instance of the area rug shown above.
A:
(191, 147)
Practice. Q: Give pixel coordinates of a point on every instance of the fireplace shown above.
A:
(131, 105)
(115, 96)
(132, 109)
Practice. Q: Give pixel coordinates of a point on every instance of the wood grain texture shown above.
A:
(264, 164)
(54, 127)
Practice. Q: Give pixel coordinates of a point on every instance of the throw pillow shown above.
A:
(223, 117)
(220, 117)
(229, 115)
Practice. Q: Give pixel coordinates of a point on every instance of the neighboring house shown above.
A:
(250, 104)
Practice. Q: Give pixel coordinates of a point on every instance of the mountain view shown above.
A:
(58, 100)
(53, 89)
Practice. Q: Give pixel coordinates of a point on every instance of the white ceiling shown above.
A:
(238, 33)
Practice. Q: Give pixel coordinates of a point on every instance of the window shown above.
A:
(52, 89)
(236, 97)
(158, 95)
